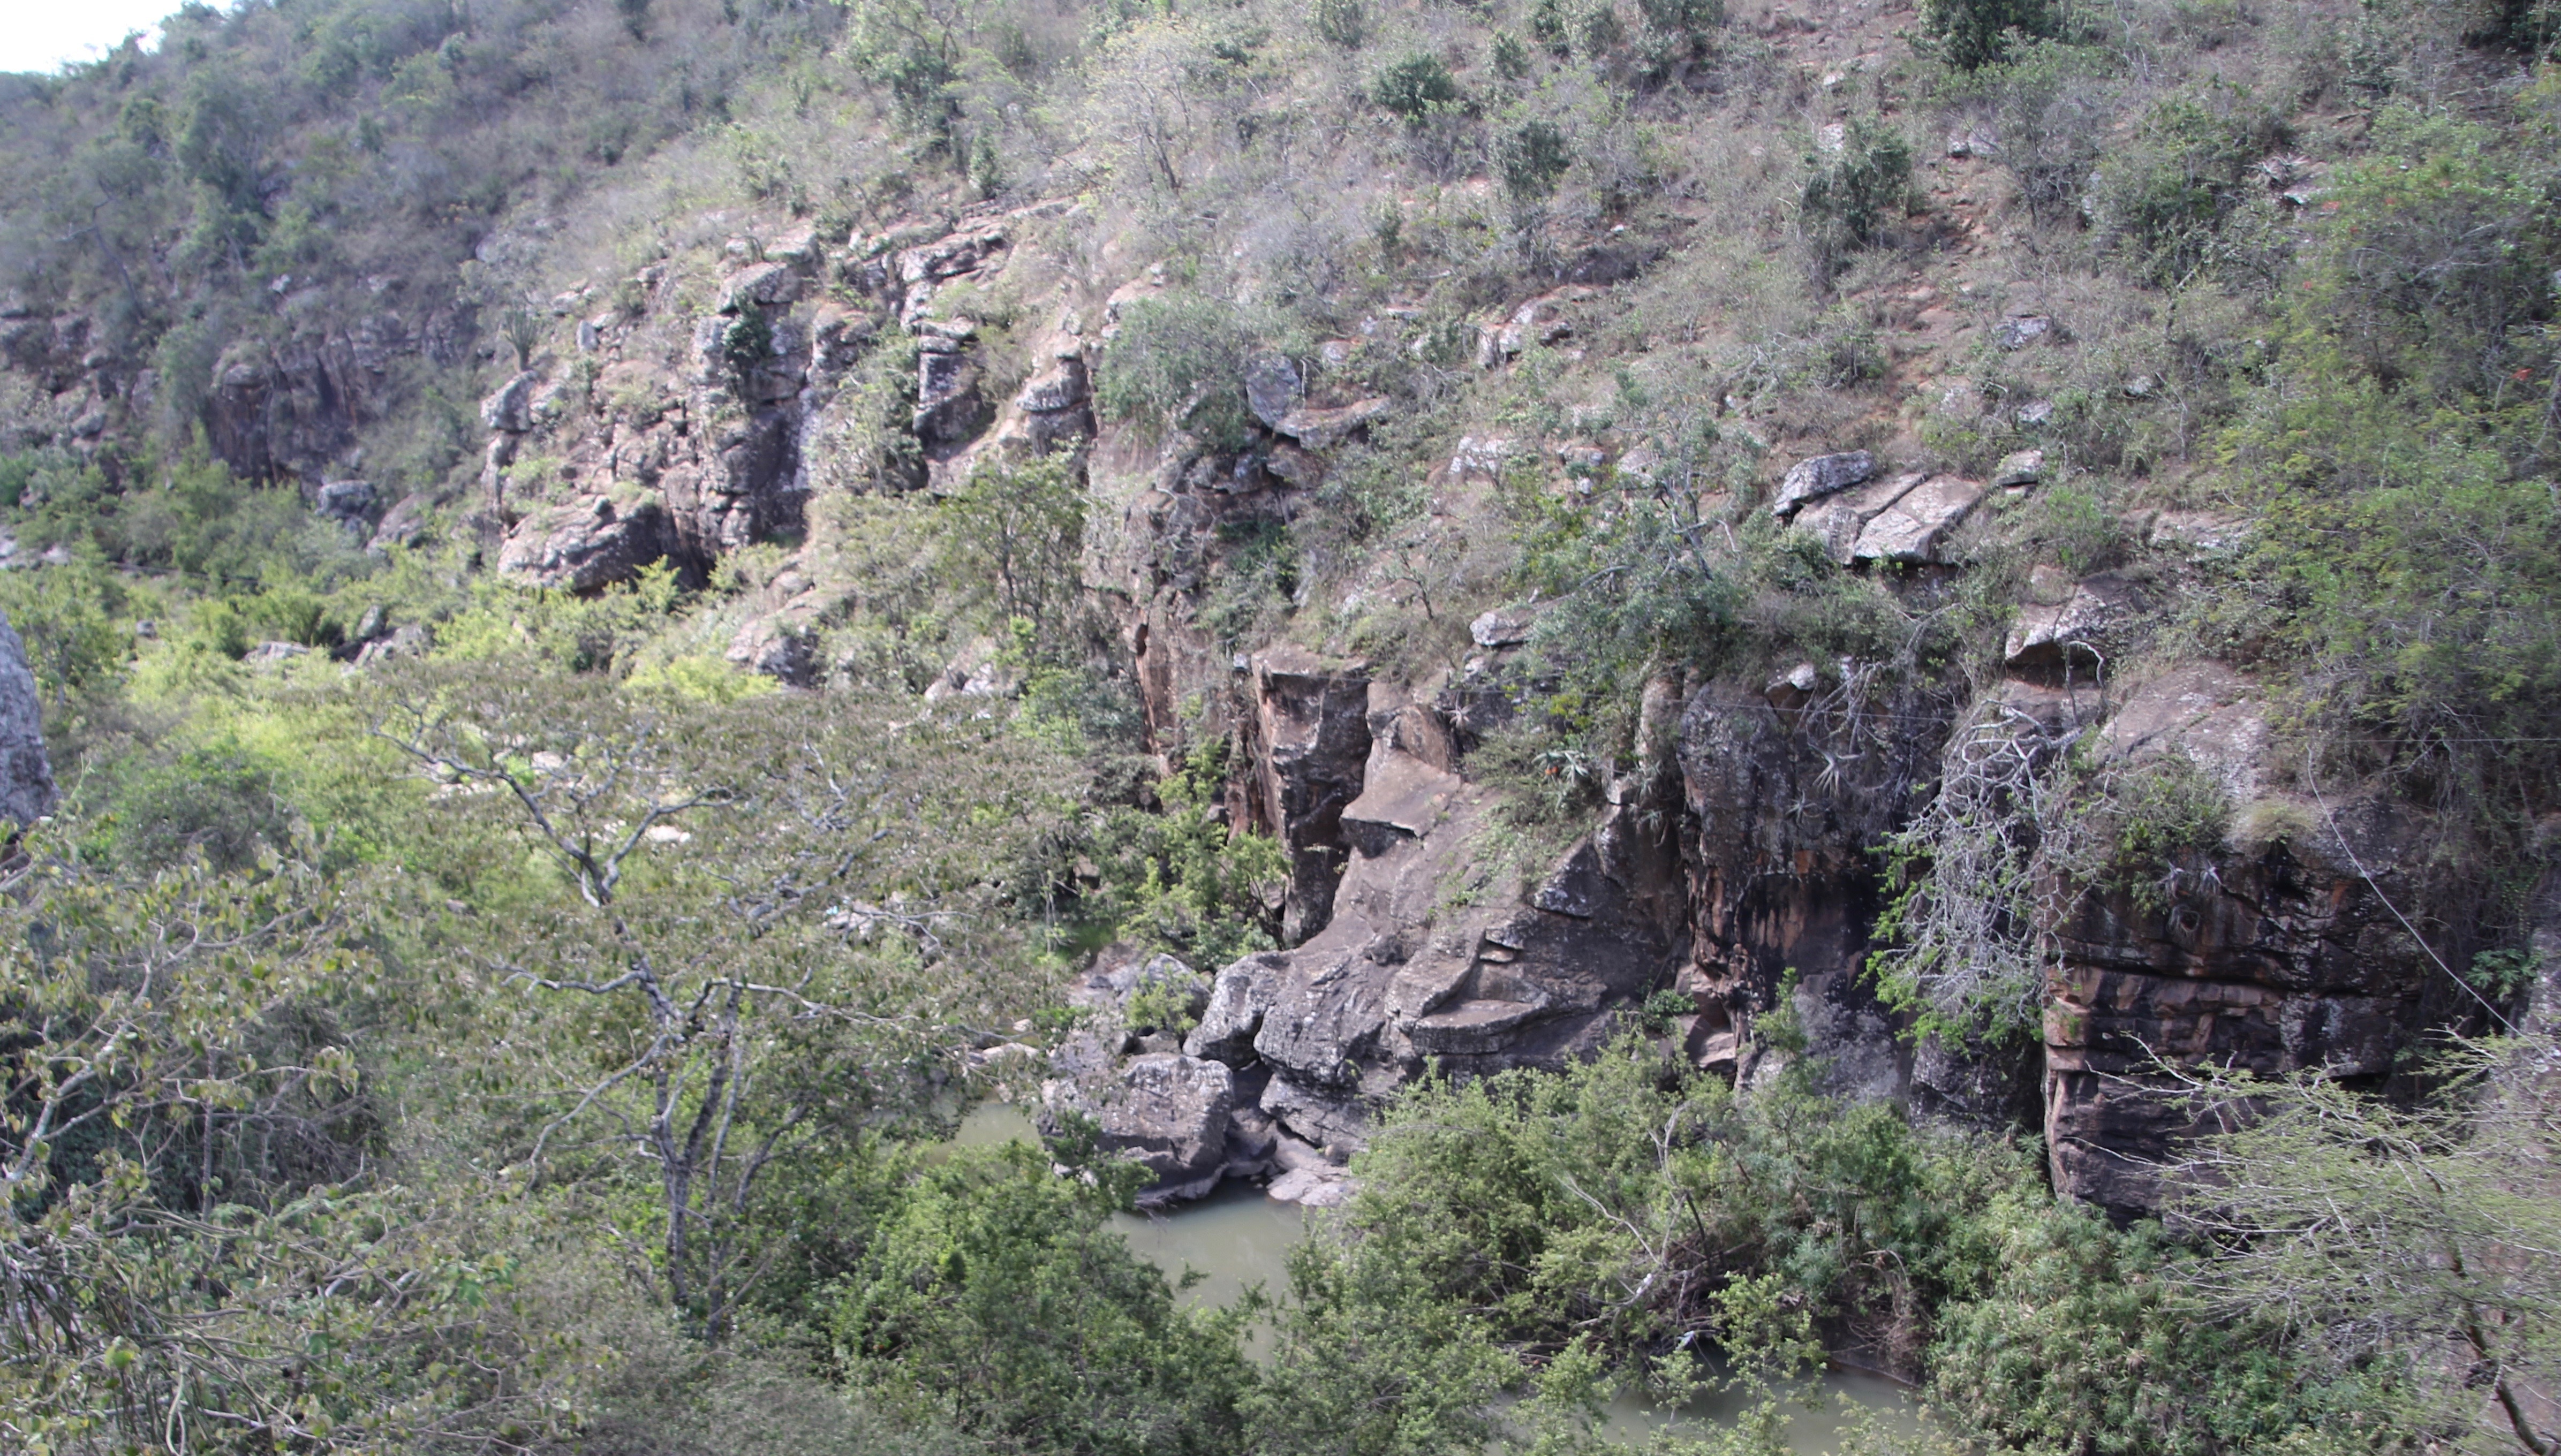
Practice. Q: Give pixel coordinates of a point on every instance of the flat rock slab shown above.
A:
(1403, 792)
(1311, 1187)
(1912, 530)
(1837, 520)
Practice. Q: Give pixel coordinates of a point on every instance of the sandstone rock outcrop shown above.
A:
(2274, 957)
(1307, 733)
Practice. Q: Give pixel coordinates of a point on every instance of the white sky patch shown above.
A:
(45, 35)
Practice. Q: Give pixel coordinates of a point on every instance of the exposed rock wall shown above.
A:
(2275, 958)
(26, 774)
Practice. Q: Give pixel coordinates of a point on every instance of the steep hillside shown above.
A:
(1988, 566)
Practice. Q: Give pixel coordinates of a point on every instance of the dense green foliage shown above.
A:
(539, 1035)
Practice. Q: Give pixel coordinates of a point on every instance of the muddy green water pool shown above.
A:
(1237, 1237)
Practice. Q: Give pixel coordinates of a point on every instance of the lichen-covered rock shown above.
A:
(1820, 476)
(586, 545)
(1164, 1109)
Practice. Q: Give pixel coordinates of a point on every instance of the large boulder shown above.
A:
(586, 545)
(1273, 387)
(26, 791)
(1169, 1111)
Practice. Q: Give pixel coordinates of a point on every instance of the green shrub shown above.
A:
(2167, 198)
(1178, 363)
(995, 1297)
(1342, 23)
(218, 801)
(1849, 199)
(1970, 34)
(1532, 157)
(1416, 87)
(2087, 1342)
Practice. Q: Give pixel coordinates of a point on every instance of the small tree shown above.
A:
(771, 927)
(1017, 534)
(2414, 1243)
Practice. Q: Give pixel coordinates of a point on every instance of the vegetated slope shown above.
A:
(1991, 557)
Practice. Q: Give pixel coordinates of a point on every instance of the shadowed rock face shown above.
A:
(1791, 788)
(1308, 740)
(26, 776)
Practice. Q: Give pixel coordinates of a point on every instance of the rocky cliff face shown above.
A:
(26, 774)
(2277, 957)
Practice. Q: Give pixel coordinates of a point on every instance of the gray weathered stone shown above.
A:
(1273, 387)
(1820, 476)
(2023, 467)
(510, 407)
(1164, 1109)
(26, 791)
(1837, 520)
(1913, 529)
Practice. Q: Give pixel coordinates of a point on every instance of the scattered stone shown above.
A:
(1912, 530)
(2140, 387)
(1485, 456)
(1818, 476)
(1504, 626)
(2036, 411)
(2017, 333)
(2025, 467)
(268, 654)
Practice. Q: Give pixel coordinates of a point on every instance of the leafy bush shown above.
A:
(1850, 199)
(217, 800)
(1178, 363)
(1417, 87)
(998, 1299)
(2087, 1342)
(1532, 157)
(1343, 23)
(1970, 33)
(2166, 198)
